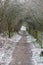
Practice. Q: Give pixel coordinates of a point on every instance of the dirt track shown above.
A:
(22, 54)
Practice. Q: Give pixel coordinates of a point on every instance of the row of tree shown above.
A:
(7, 18)
(12, 13)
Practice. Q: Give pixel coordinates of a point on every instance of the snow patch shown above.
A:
(8, 48)
(35, 50)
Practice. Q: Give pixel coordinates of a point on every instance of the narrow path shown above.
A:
(22, 54)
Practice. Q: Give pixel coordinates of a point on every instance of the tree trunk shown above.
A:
(9, 34)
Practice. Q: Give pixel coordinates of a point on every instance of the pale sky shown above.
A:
(23, 28)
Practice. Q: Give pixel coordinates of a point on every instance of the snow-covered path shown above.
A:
(20, 50)
(22, 54)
